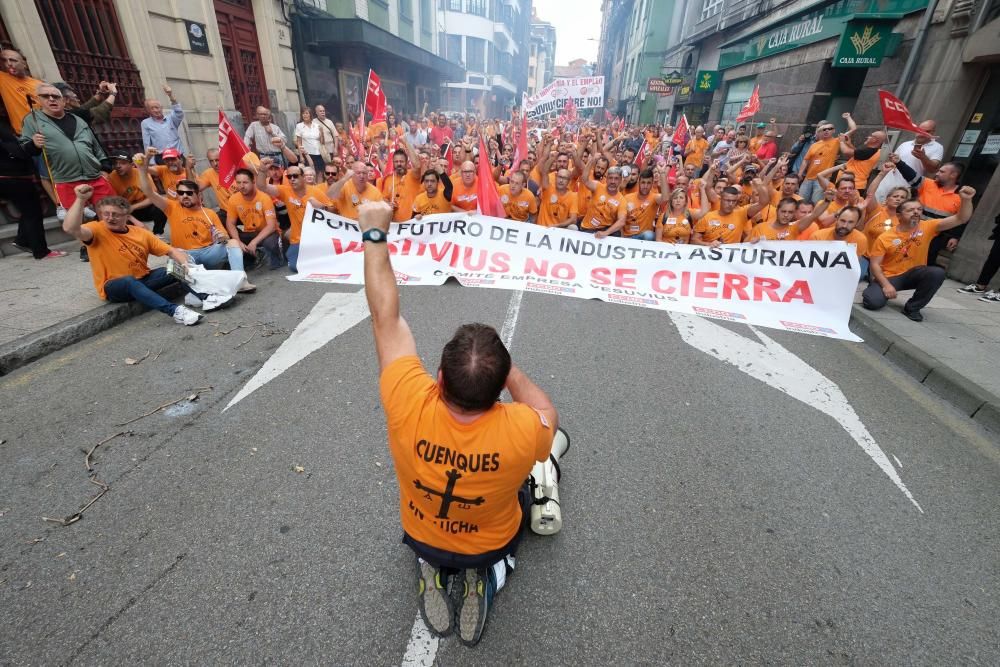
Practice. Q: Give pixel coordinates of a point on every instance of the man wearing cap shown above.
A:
(161, 131)
(757, 140)
(125, 181)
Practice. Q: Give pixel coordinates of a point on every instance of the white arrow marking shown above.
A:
(335, 313)
(772, 364)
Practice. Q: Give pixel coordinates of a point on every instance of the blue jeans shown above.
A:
(215, 255)
(144, 290)
(643, 236)
(864, 263)
(811, 191)
(292, 254)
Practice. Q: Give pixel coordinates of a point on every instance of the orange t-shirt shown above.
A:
(855, 238)
(458, 482)
(402, 190)
(675, 229)
(424, 205)
(726, 228)
(252, 213)
(640, 214)
(350, 198)
(604, 209)
(694, 152)
(767, 232)
(519, 207)
(464, 196)
(296, 206)
(938, 203)
(878, 222)
(556, 208)
(191, 228)
(127, 187)
(113, 255)
(821, 155)
(861, 169)
(210, 178)
(168, 179)
(904, 250)
(14, 92)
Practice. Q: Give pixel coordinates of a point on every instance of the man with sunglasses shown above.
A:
(821, 156)
(296, 195)
(899, 256)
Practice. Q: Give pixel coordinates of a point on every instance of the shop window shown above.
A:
(737, 95)
(710, 8)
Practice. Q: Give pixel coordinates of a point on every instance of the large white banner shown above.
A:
(586, 93)
(805, 286)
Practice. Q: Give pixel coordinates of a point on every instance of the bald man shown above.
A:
(261, 135)
(464, 196)
(922, 153)
(352, 189)
(161, 131)
(861, 160)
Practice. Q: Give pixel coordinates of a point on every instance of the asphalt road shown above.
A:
(710, 517)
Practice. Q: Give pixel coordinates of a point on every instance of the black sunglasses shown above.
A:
(181, 193)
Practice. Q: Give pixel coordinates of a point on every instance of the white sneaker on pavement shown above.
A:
(246, 286)
(60, 213)
(216, 301)
(192, 300)
(971, 288)
(186, 316)
(993, 296)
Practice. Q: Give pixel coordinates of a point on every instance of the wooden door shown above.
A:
(242, 51)
(89, 47)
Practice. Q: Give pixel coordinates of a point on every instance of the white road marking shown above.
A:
(333, 314)
(423, 646)
(772, 364)
(898, 464)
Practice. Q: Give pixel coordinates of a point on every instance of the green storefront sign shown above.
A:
(675, 78)
(815, 26)
(707, 80)
(863, 44)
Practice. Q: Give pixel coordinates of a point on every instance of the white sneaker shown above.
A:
(60, 213)
(186, 316)
(971, 288)
(89, 212)
(992, 296)
(246, 287)
(216, 301)
(192, 300)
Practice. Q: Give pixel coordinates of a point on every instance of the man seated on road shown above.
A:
(125, 180)
(641, 207)
(296, 196)
(518, 202)
(845, 228)
(173, 169)
(899, 257)
(194, 229)
(119, 255)
(353, 188)
(463, 512)
(254, 212)
(731, 223)
(436, 197)
(209, 178)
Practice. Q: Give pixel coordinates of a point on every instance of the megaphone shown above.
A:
(546, 514)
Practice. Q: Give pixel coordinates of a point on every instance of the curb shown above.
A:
(981, 405)
(34, 346)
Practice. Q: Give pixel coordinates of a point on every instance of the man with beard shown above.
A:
(296, 195)
(436, 197)
(845, 228)
(641, 207)
(125, 181)
(402, 186)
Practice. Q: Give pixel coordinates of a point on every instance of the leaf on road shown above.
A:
(298, 469)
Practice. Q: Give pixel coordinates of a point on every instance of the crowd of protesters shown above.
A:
(722, 184)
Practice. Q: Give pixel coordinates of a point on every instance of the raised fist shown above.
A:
(967, 192)
(829, 195)
(83, 192)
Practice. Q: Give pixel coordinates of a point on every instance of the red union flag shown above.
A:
(233, 153)
(681, 132)
(375, 101)
(751, 107)
(487, 197)
(895, 114)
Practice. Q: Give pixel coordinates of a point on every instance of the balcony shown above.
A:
(501, 81)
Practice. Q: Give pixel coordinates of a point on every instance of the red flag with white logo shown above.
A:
(488, 199)
(682, 132)
(375, 102)
(232, 151)
(895, 114)
(751, 107)
(644, 151)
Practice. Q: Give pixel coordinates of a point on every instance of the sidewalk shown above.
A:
(954, 352)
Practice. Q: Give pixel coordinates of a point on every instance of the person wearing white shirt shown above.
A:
(308, 137)
(923, 154)
(330, 138)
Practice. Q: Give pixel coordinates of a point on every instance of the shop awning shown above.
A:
(322, 33)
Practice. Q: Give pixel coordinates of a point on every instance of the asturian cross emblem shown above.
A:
(866, 40)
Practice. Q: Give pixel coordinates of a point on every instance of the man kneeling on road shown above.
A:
(461, 457)
(119, 253)
(899, 257)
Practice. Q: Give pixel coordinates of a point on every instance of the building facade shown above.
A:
(542, 55)
(336, 42)
(229, 54)
(490, 40)
(815, 61)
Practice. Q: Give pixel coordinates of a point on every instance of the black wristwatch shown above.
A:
(374, 235)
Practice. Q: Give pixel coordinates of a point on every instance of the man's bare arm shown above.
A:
(393, 338)
(523, 390)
